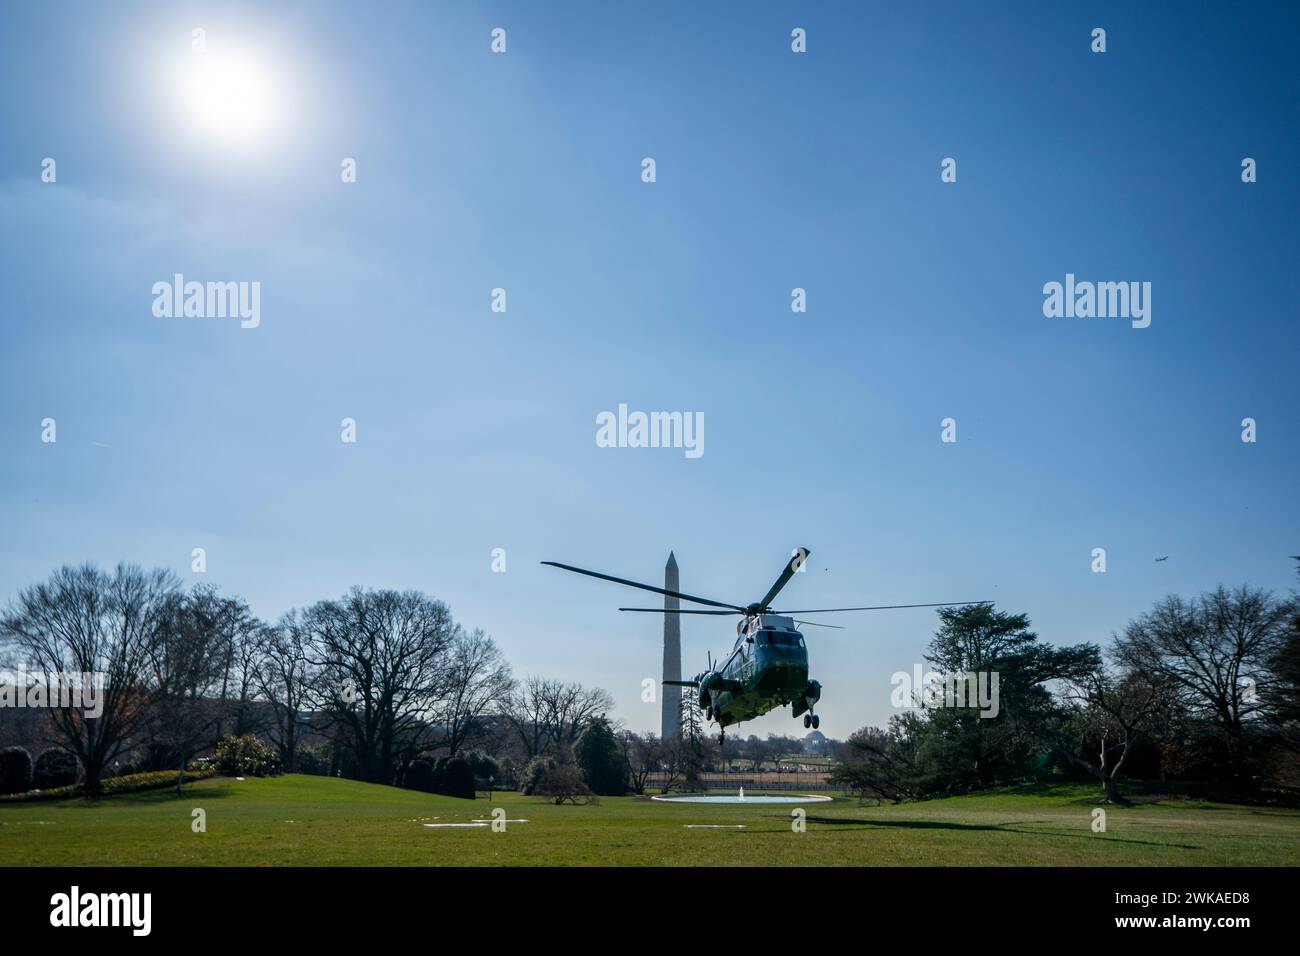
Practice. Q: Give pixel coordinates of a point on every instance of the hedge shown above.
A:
(130, 783)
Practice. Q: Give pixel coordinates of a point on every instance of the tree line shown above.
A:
(385, 686)
(363, 685)
(1202, 692)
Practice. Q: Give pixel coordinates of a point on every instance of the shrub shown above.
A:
(565, 782)
(483, 766)
(533, 773)
(458, 779)
(55, 767)
(419, 776)
(131, 783)
(313, 760)
(155, 780)
(246, 756)
(15, 770)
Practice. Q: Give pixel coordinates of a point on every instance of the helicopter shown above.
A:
(768, 665)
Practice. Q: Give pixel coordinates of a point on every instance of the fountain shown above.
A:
(741, 798)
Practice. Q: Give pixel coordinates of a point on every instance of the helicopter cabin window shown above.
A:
(781, 639)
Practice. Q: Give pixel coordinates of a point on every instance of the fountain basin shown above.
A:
(741, 799)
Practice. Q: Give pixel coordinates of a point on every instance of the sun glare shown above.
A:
(228, 97)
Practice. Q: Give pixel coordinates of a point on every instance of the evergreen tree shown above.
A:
(599, 756)
(692, 739)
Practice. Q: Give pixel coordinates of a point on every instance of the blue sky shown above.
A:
(774, 171)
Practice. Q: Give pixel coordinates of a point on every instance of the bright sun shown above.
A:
(229, 97)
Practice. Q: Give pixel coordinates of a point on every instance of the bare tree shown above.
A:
(1283, 697)
(775, 747)
(236, 640)
(573, 707)
(643, 754)
(1114, 711)
(185, 666)
(527, 710)
(286, 680)
(477, 677)
(85, 621)
(383, 656)
(549, 714)
(1214, 653)
(880, 763)
(673, 762)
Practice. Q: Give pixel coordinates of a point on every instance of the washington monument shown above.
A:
(672, 696)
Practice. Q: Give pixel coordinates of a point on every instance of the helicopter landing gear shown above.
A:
(811, 720)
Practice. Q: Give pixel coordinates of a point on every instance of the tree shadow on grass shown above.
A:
(1012, 827)
(1038, 788)
(904, 824)
(168, 796)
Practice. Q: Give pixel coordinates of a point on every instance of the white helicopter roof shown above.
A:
(765, 622)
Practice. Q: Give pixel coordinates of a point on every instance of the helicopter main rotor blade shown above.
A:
(645, 587)
(793, 565)
(681, 683)
(881, 607)
(837, 627)
(676, 610)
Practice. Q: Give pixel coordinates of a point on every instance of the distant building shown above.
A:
(816, 744)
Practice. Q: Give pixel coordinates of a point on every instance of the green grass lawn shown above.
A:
(322, 821)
